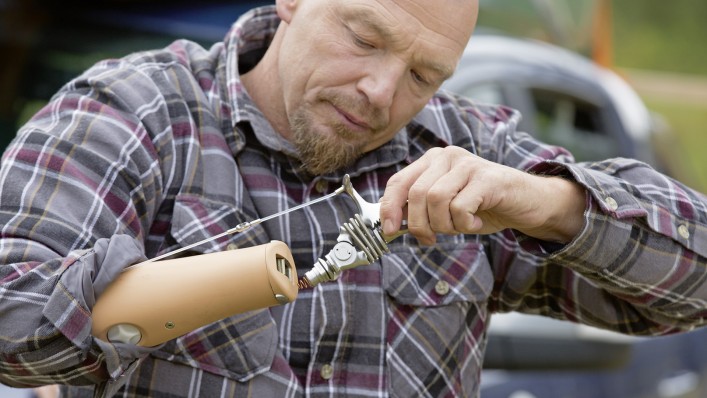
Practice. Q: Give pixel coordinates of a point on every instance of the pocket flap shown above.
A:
(448, 272)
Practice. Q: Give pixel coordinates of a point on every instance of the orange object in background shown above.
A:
(602, 45)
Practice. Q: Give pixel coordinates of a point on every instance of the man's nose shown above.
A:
(381, 83)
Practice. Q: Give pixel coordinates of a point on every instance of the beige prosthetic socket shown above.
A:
(156, 301)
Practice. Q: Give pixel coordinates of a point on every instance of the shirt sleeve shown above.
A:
(638, 265)
(644, 241)
(79, 188)
(46, 324)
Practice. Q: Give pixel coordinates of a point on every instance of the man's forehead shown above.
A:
(454, 19)
(440, 23)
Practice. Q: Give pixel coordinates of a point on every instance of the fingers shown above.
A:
(431, 186)
(449, 190)
(464, 209)
(431, 198)
(395, 197)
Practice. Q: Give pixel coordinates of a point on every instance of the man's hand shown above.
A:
(449, 190)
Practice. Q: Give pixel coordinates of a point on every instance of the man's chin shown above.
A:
(323, 150)
(316, 166)
(326, 157)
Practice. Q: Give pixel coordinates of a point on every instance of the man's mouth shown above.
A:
(352, 121)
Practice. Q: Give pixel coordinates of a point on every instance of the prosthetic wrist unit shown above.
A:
(360, 242)
(156, 301)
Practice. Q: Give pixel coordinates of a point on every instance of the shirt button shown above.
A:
(442, 288)
(683, 231)
(232, 246)
(321, 186)
(326, 372)
(611, 203)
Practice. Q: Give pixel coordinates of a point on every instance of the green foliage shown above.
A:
(669, 36)
(683, 151)
(661, 35)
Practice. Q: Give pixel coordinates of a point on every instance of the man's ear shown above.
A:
(285, 9)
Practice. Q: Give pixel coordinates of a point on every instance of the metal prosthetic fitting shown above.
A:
(360, 241)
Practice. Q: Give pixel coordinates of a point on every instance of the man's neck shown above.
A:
(264, 87)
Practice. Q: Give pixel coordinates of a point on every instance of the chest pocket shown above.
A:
(436, 316)
(241, 346)
(450, 272)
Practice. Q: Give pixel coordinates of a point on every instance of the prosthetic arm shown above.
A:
(160, 299)
(156, 301)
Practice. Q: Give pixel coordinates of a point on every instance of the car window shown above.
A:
(573, 123)
(557, 118)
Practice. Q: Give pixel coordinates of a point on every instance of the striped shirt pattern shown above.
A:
(145, 154)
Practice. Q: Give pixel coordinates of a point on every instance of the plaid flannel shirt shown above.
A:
(149, 153)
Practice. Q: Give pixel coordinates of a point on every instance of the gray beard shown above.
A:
(322, 152)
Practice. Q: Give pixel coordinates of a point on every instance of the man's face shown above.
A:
(354, 72)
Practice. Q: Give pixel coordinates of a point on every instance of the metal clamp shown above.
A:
(360, 241)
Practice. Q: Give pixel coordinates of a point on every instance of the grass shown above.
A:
(668, 36)
(660, 35)
(685, 150)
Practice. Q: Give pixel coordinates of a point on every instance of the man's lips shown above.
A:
(351, 119)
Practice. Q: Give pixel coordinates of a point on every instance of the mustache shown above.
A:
(374, 117)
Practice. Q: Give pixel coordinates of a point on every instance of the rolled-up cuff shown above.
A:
(85, 277)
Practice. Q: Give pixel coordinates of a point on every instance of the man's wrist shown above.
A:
(561, 204)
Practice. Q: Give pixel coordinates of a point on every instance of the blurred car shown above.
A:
(565, 99)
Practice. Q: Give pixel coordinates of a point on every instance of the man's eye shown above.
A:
(418, 78)
(362, 43)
